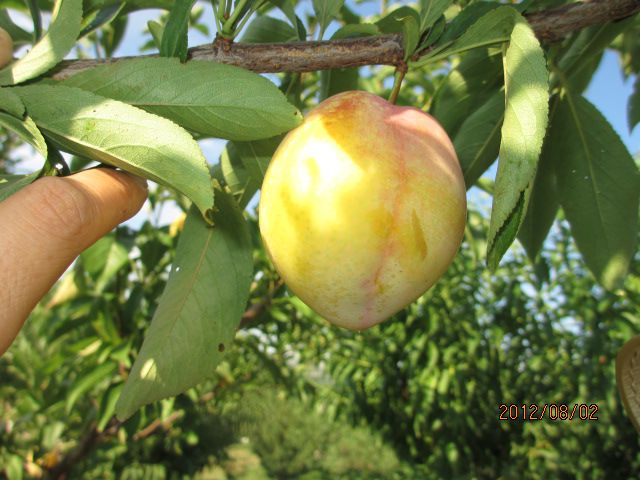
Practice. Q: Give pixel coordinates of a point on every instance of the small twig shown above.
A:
(88, 442)
(154, 426)
(255, 310)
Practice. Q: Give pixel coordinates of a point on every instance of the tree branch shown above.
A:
(555, 24)
(549, 25)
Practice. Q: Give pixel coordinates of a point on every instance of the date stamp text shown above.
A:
(549, 411)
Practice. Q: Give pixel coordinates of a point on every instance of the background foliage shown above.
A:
(416, 397)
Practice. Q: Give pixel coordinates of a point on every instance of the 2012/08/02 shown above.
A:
(551, 411)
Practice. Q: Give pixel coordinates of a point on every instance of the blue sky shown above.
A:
(610, 93)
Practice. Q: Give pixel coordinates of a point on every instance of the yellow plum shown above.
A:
(6, 48)
(362, 208)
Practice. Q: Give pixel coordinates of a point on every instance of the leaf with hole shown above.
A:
(199, 311)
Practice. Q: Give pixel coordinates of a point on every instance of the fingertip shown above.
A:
(117, 195)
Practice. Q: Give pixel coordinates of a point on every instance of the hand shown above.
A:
(46, 225)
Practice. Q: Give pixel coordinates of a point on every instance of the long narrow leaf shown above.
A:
(62, 35)
(199, 310)
(599, 187)
(11, 103)
(524, 128)
(478, 140)
(121, 135)
(204, 97)
(27, 130)
(174, 39)
(430, 11)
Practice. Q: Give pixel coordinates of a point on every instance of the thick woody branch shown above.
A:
(549, 25)
(555, 24)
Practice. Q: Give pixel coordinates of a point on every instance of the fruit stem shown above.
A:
(401, 71)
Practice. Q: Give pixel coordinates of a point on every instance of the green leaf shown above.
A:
(14, 468)
(599, 186)
(393, 21)
(430, 11)
(123, 136)
(634, 105)
(338, 80)
(468, 86)
(101, 17)
(344, 79)
(255, 157)
(410, 35)
(543, 203)
(104, 259)
(589, 45)
(580, 80)
(108, 405)
(113, 34)
(265, 29)
(11, 103)
(10, 184)
(326, 11)
(243, 165)
(302, 31)
(492, 28)
(524, 128)
(231, 173)
(174, 39)
(204, 97)
(288, 8)
(156, 29)
(27, 130)
(36, 17)
(199, 310)
(477, 143)
(434, 33)
(467, 17)
(61, 37)
(88, 381)
(356, 30)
